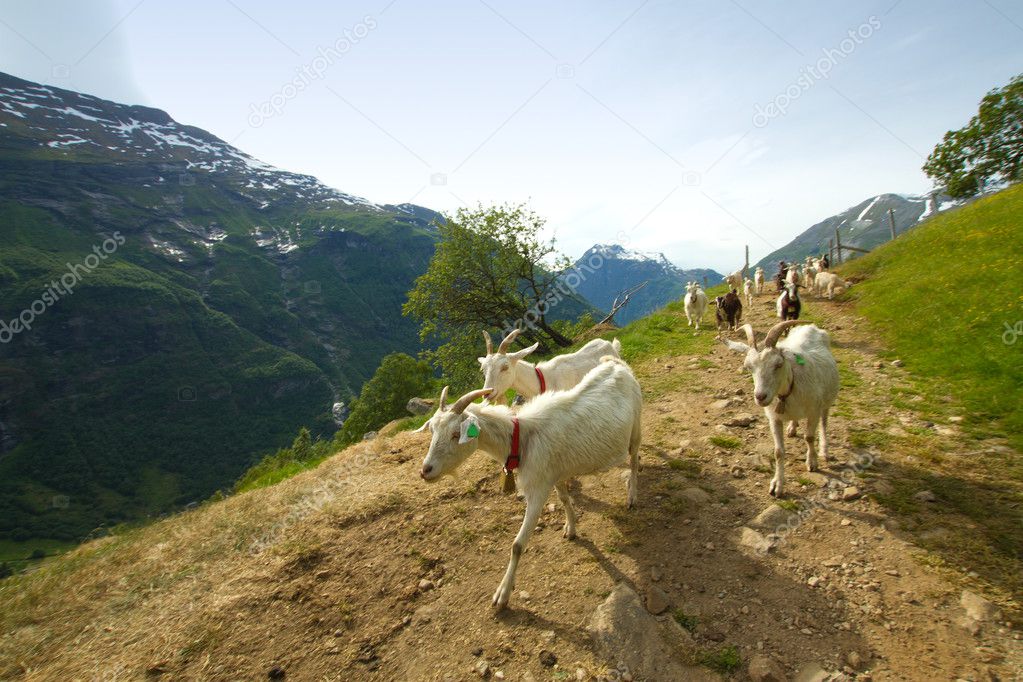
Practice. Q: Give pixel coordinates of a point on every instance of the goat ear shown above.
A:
(518, 355)
(481, 360)
(736, 346)
(424, 427)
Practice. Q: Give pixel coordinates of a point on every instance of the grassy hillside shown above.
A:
(944, 296)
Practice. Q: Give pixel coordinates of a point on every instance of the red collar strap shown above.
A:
(539, 375)
(512, 463)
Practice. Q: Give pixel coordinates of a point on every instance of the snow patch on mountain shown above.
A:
(72, 118)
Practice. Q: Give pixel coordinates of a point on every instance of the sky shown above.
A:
(688, 128)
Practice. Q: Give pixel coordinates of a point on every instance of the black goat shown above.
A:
(789, 304)
(729, 310)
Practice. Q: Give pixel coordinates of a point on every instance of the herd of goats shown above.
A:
(813, 276)
(579, 413)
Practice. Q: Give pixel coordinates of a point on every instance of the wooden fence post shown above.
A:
(831, 250)
(891, 219)
(838, 247)
(745, 268)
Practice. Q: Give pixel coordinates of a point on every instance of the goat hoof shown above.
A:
(569, 534)
(500, 600)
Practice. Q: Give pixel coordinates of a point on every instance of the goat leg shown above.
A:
(534, 503)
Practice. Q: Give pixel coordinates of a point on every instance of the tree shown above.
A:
(988, 148)
(383, 398)
(491, 270)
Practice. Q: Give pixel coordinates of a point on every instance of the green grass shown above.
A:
(686, 466)
(725, 660)
(729, 442)
(687, 622)
(18, 552)
(941, 296)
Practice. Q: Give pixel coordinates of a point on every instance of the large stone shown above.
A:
(755, 541)
(978, 608)
(742, 420)
(657, 601)
(773, 519)
(419, 406)
(624, 632)
(765, 669)
(812, 672)
(850, 493)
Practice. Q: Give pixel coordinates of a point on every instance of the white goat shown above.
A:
(503, 370)
(734, 280)
(560, 435)
(758, 278)
(801, 373)
(828, 282)
(747, 287)
(695, 304)
(792, 276)
(809, 272)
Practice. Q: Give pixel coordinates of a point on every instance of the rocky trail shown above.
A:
(359, 571)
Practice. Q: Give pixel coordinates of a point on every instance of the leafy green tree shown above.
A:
(302, 446)
(491, 270)
(385, 395)
(988, 148)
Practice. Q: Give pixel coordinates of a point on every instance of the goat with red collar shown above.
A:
(503, 370)
(555, 437)
(793, 378)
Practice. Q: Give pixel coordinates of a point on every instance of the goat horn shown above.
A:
(507, 340)
(490, 343)
(750, 337)
(471, 396)
(443, 399)
(776, 331)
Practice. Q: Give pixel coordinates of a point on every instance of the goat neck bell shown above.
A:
(512, 462)
(780, 409)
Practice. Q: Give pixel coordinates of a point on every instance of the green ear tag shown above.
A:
(800, 360)
(473, 431)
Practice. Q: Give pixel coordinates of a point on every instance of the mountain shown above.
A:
(606, 270)
(172, 308)
(864, 225)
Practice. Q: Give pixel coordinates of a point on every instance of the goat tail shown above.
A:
(617, 345)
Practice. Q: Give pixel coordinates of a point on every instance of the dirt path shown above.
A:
(844, 589)
(391, 579)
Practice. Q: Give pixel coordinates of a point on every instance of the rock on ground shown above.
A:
(772, 518)
(978, 608)
(419, 406)
(622, 630)
(765, 669)
(812, 672)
